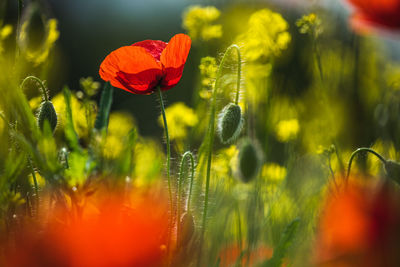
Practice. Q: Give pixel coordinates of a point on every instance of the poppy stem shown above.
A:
(239, 73)
(366, 149)
(42, 87)
(189, 155)
(211, 130)
(168, 149)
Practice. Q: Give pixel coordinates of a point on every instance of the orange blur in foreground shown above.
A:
(112, 232)
(375, 14)
(359, 226)
(231, 254)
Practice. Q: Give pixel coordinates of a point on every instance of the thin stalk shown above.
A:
(19, 13)
(362, 149)
(168, 154)
(318, 59)
(211, 129)
(181, 182)
(42, 87)
(35, 183)
(239, 73)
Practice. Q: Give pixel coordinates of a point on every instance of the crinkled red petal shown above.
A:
(173, 59)
(131, 68)
(153, 47)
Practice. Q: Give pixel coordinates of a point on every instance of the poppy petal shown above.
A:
(153, 47)
(173, 59)
(131, 68)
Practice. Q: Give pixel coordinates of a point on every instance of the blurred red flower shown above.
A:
(229, 256)
(359, 226)
(109, 232)
(143, 66)
(375, 14)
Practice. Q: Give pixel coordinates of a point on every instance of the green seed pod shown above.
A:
(230, 122)
(186, 229)
(47, 112)
(249, 160)
(392, 169)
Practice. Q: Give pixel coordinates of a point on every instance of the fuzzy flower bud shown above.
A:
(186, 228)
(230, 123)
(47, 112)
(249, 160)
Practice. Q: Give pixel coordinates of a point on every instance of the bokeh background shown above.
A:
(91, 29)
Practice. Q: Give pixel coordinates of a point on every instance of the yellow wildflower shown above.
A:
(35, 44)
(179, 118)
(287, 130)
(119, 126)
(197, 20)
(266, 36)
(5, 31)
(310, 24)
(89, 86)
(273, 172)
(208, 71)
(148, 161)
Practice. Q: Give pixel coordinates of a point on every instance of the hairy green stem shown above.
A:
(239, 73)
(211, 127)
(42, 87)
(181, 181)
(168, 155)
(35, 183)
(362, 149)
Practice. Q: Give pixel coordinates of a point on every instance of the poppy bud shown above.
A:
(230, 123)
(47, 112)
(186, 231)
(392, 169)
(249, 160)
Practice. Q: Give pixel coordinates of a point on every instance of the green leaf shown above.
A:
(284, 244)
(70, 132)
(105, 107)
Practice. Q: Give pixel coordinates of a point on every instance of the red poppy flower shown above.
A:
(358, 226)
(112, 230)
(143, 66)
(375, 14)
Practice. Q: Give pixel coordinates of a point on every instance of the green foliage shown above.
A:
(105, 107)
(285, 242)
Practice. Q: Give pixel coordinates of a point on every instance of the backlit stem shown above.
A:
(42, 87)
(211, 127)
(362, 149)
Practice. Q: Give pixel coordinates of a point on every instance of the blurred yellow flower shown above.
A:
(39, 55)
(119, 126)
(208, 71)
(266, 36)
(197, 20)
(148, 161)
(287, 130)
(89, 86)
(81, 121)
(310, 24)
(5, 31)
(273, 172)
(179, 118)
(224, 161)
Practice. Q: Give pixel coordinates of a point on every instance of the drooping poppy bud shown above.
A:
(186, 226)
(249, 160)
(230, 122)
(392, 169)
(47, 112)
